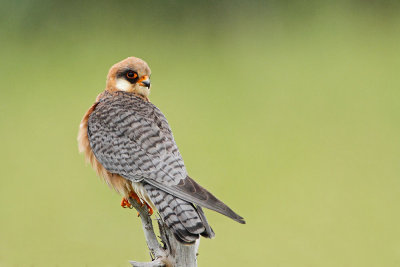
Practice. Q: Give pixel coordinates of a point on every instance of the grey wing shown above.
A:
(126, 142)
(138, 144)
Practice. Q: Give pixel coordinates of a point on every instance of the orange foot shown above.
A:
(125, 203)
(149, 209)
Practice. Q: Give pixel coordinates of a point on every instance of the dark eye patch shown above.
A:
(130, 75)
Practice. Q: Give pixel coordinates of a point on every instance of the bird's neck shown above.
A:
(114, 92)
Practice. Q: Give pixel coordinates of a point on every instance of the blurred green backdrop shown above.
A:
(286, 110)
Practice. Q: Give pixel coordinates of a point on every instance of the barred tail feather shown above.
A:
(190, 191)
(186, 221)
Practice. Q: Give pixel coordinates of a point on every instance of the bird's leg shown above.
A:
(133, 195)
(149, 209)
(125, 203)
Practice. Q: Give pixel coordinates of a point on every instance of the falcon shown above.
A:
(129, 143)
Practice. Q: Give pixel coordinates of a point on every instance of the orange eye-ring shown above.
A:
(131, 75)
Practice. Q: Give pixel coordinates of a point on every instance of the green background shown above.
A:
(286, 110)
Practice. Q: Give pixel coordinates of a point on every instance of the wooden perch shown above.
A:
(170, 253)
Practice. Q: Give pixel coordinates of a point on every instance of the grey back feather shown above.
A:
(131, 137)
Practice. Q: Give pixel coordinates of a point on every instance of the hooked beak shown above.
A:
(144, 81)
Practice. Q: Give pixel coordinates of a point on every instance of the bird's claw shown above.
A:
(149, 209)
(125, 203)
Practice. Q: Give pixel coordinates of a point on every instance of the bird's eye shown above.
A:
(131, 75)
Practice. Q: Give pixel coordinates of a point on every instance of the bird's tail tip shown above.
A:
(241, 220)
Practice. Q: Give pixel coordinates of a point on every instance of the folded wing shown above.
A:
(132, 137)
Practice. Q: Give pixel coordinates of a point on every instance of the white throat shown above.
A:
(123, 85)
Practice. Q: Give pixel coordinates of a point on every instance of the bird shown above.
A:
(129, 143)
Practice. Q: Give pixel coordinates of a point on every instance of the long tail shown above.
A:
(189, 190)
(186, 221)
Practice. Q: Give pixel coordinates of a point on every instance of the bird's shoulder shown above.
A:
(124, 127)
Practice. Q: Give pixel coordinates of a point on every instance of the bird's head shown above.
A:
(130, 75)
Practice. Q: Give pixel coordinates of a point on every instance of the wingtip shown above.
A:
(240, 220)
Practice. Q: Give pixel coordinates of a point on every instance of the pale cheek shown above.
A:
(143, 90)
(123, 85)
